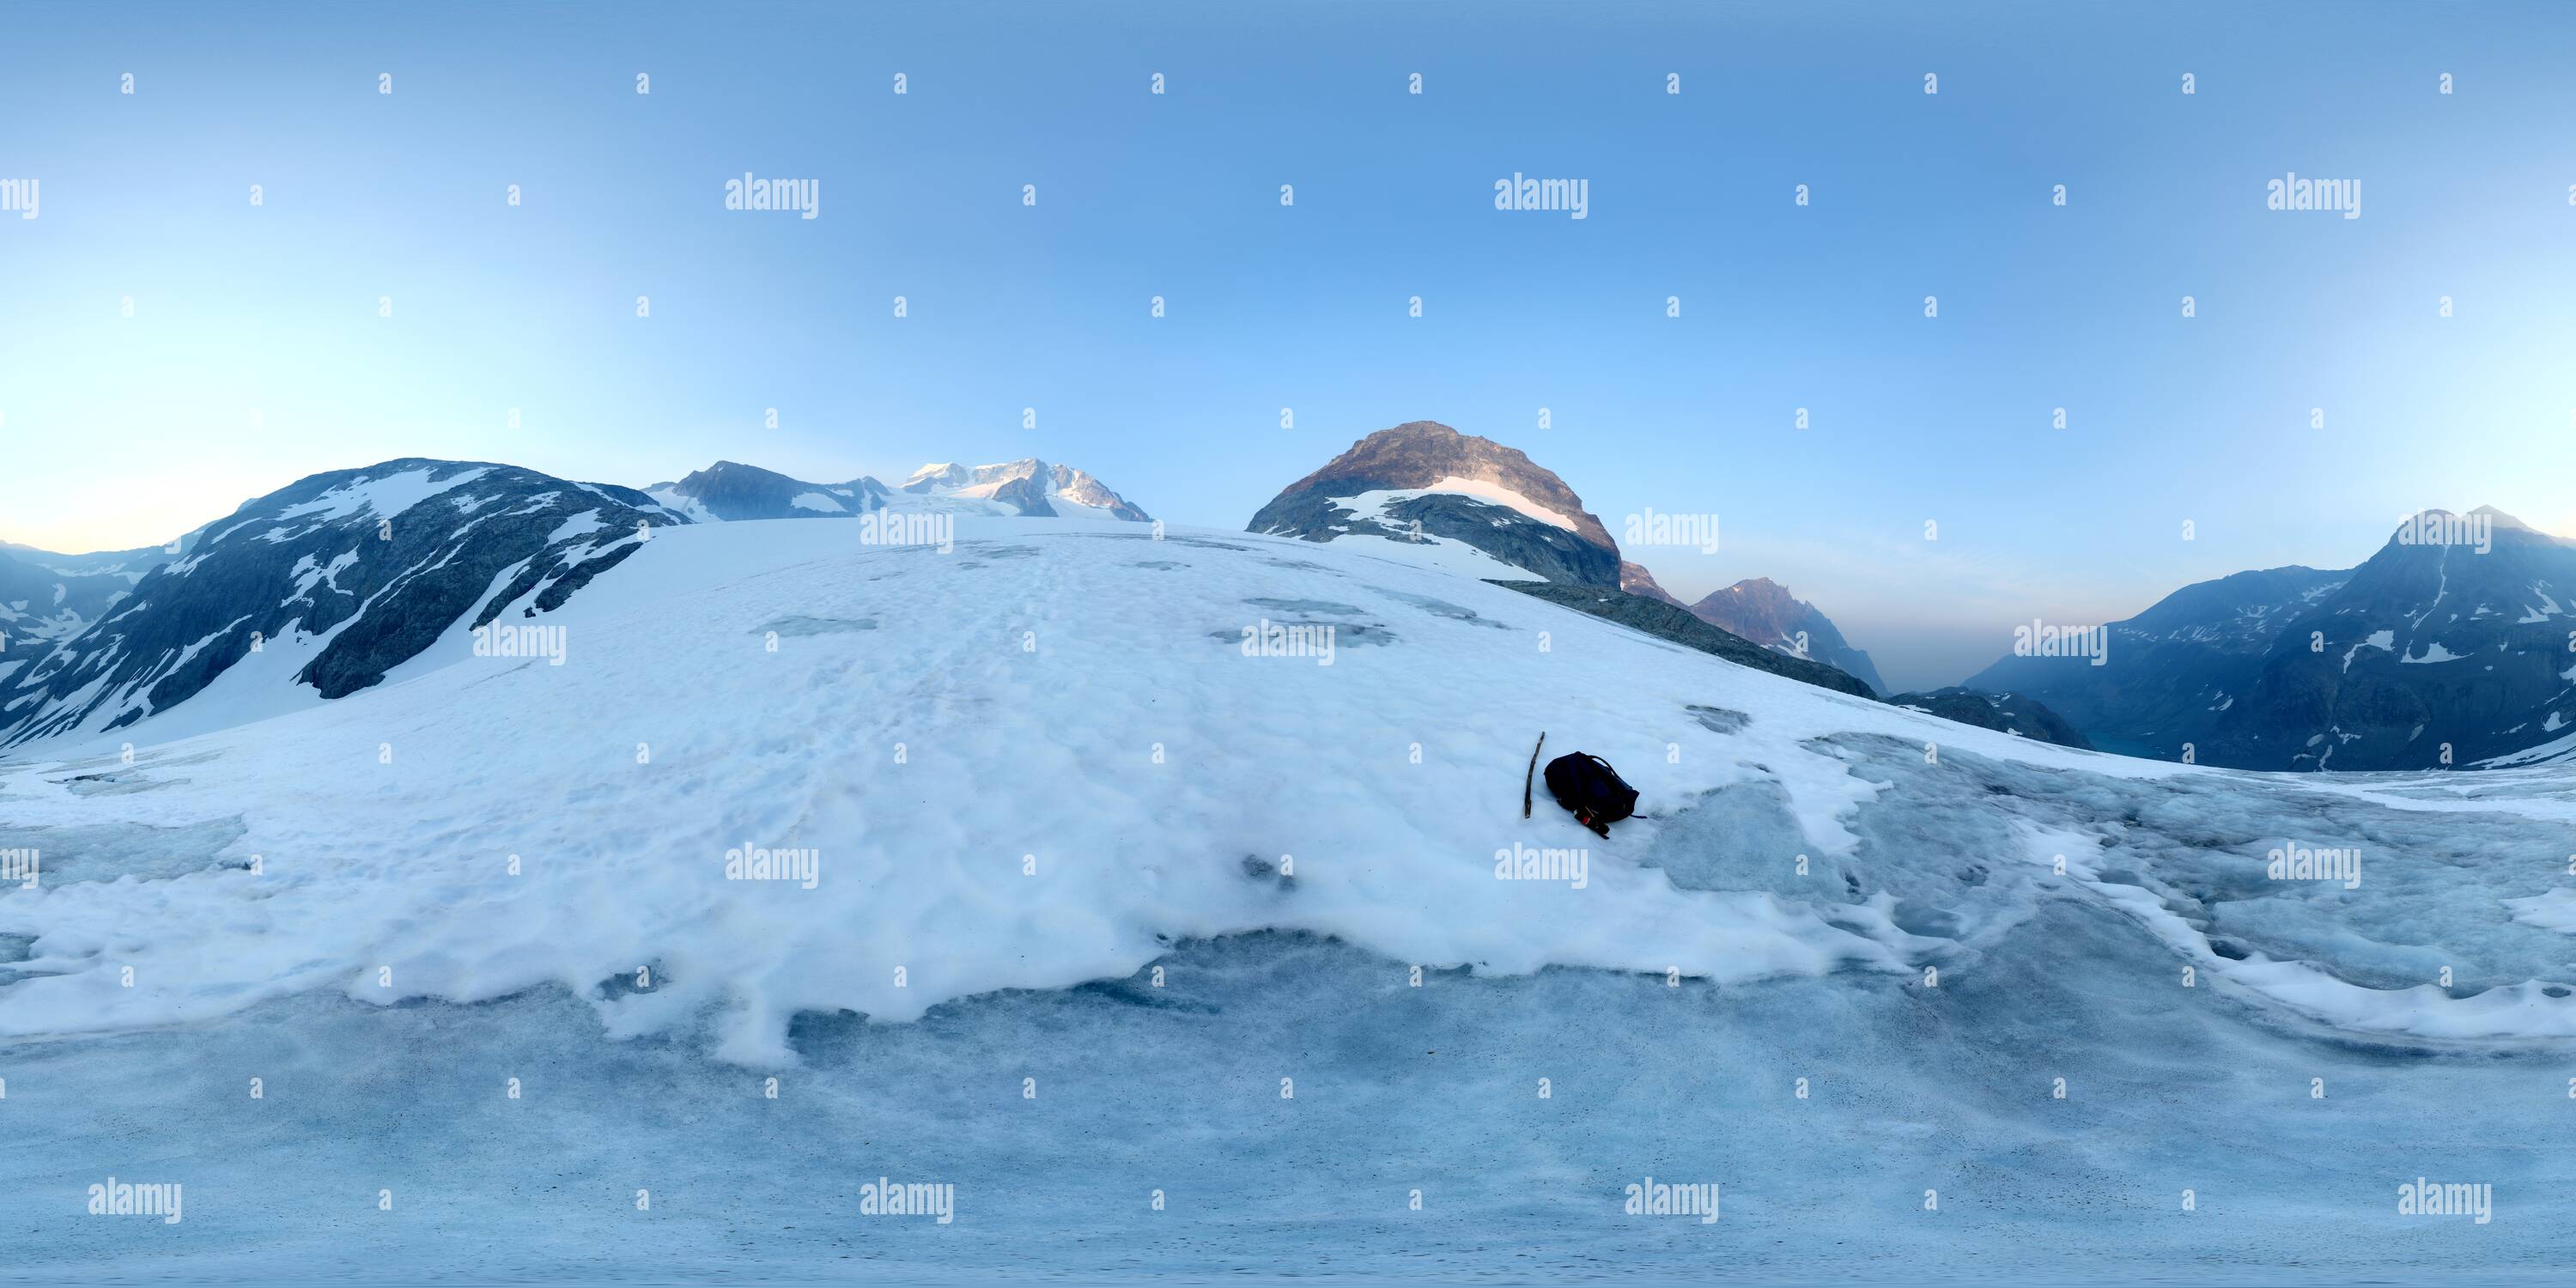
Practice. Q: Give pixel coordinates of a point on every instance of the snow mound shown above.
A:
(765, 772)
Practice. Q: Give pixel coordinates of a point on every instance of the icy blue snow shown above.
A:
(1916, 859)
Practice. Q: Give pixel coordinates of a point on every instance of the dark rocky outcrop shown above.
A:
(1763, 611)
(2002, 712)
(2007, 713)
(1666, 621)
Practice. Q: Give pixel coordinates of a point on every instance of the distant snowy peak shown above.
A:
(939, 474)
(1425, 484)
(1763, 611)
(731, 492)
(330, 582)
(1029, 487)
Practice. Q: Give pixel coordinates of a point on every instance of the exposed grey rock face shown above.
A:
(363, 567)
(1028, 494)
(732, 492)
(1763, 611)
(2003, 712)
(1420, 454)
(2448, 647)
(1634, 579)
(1666, 621)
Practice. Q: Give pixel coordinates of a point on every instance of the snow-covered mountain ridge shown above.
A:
(730, 492)
(1028, 486)
(1208, 735)
(2446, 648)
(324, 586)
(329, 584)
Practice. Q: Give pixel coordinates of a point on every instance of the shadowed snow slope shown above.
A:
(1068, 754)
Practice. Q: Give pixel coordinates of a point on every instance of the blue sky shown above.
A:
(120, 430)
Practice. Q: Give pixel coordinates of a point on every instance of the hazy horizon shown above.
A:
(172, 348)
(1911, 656)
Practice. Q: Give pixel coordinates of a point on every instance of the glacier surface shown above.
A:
(1109, 898)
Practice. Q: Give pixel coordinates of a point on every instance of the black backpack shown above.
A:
(1587, 785)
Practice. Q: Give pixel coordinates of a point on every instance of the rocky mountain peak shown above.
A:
(1422, 453)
